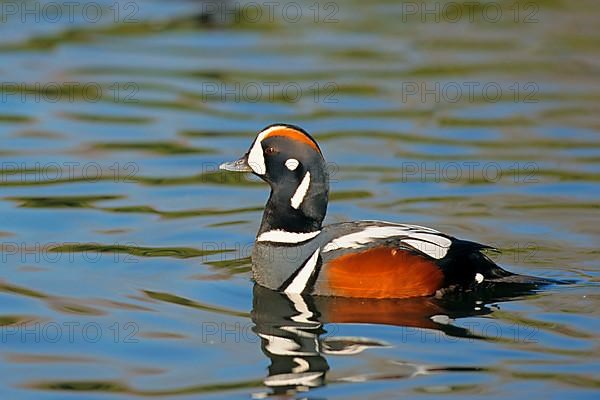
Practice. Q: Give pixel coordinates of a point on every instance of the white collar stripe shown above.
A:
(280, 236)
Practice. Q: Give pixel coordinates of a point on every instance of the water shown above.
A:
(125, 268)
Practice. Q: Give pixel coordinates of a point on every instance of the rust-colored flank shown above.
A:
(383, 272)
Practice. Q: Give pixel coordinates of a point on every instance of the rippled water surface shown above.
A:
(125, 253)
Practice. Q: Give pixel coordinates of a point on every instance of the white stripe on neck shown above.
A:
(281, 236)
(301, 191)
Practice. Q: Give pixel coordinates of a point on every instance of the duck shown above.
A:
(295, 253)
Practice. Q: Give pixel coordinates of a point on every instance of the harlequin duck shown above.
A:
(295, 253)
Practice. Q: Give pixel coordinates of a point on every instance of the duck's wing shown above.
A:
(383, 260)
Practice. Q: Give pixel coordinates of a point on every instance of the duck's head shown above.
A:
(290, 161)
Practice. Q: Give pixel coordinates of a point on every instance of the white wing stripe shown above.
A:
(431, 249)
(435, 246)
(436, 239)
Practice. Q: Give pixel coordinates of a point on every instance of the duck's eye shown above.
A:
(269, 150)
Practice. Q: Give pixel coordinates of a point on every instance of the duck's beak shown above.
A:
(240, 165)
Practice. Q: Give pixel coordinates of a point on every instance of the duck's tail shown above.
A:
(468, 265)
(492, 272)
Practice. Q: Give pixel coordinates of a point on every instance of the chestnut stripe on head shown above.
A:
(293, 134)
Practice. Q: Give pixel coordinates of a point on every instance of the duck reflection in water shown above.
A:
(295, 338)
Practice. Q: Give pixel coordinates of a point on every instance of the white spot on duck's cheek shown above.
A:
(479, 278)
(292, 164)
(301, 191)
